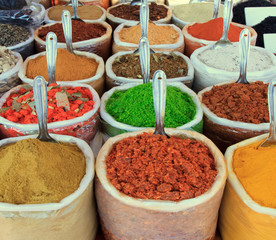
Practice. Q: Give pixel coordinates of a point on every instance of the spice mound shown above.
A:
(157, 34)
(227, 58)
(212, 30)
(69, 67)
(64, 103)
(196, 12)
(134, 106)
(129, 12)
(255, 168)
(7, 59)
(239, 102)
(81, 31)
(92, 12)
(34, 172)
(128, 65)
(152, 166)
(12, 34)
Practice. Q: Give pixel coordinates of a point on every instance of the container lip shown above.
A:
(58, 124)
(109, 119)
(110, 73)
(87, 178)
(160, 205)
(224, 121)
(236, 184)
(13, 70)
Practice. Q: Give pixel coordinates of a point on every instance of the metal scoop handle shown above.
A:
(216, 8)
(144, 19)
(67, 29)
(144, 55)
(51, 56)
(227, 17)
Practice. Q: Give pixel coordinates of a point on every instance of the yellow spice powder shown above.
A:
(156, 34)
(33, 172)
(256, 170)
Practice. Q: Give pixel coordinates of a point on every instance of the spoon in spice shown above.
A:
(244, 47)
(51, 56)
(144, 55)
(227, 16)
(67, 30)
(216, 8)
(75, 4)
(159, 89)
(40, 98)
(271, 140)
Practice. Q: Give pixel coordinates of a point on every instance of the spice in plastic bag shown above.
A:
(164, 34)
(34, 172)
(150, 166)
(255, 168)
(12, 34)
(268, 25)
(7, 59)
(20, 106)
(129, 12)
(212, 30)
(239, 102)
(12, 4)
(81, 31)
(69, 67)
(129, 65)
(134, 106)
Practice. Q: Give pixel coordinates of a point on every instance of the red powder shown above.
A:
(152, 166)
(212, 30)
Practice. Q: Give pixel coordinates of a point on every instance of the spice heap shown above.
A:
(128, 65)
(92, 12)
(134, 106)
(157, 34)
(255, 168)
(12, 34)
(268, 25)
(227, 58)
(34, 172)
(239, 102)
(152, 166)
(129, 12)
(81, 31)
(196, 12)
(64, 103)
(7, 59)
(212, 30)
(69, 67)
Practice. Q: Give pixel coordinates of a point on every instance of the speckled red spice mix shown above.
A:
(20, 106)
(239, 102)
(150, 166)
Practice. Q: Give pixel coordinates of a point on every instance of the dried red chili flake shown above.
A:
(152, 166)
(20, 106)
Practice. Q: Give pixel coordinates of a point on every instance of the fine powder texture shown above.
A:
(81, 31)
(228, 59)
(156, 34)
(69, 67)
(212, 30)
(255, 168)
(33, 172)
(239, 102)
(92, 12)
(204, 12)
(135, 107)
(152, 166)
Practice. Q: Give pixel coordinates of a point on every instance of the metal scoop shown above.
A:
(271, 140)
(144, 55)
(227, 16)
(75, 4)
(244, 47)
(51, 56)
(216, 8)
(67, 30)
(159, 88)
(40, 97)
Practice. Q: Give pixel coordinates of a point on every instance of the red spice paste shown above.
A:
(212, 30)
(239, 102)
(20, 106)
(152, 166)
(81, 31)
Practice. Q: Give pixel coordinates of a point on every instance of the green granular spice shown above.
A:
(134, 106)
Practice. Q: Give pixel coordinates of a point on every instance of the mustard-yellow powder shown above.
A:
(156, 34)
(256, 170)
(33, 172)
